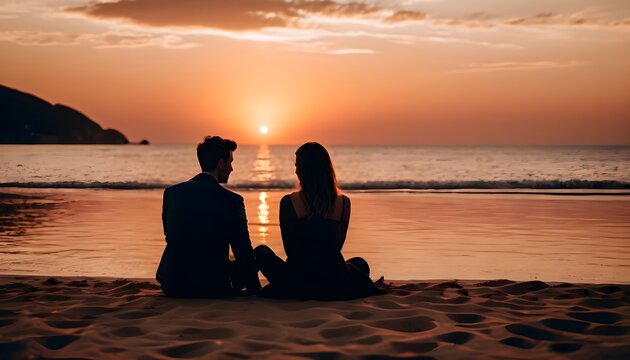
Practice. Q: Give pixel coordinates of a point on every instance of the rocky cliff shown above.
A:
(27, 119)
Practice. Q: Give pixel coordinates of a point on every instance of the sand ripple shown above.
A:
(106, 318)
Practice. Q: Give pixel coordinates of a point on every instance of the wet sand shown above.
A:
(94, 318)
(118, 233)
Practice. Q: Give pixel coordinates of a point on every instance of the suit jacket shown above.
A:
(201, 220)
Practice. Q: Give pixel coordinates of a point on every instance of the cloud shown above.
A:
(575, 19)
(351, 52)
(253, 15)
(584, 18)
(405, 15)
(112, 39)
(514, 66)
(241, 15)
(39, 38)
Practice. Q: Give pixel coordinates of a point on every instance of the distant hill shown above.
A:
(27, 119)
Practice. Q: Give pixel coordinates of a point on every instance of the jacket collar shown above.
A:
(204, 176)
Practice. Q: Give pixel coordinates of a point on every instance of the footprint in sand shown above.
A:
(258, 346)
(56, 342)
(359, 315)
(504, 304)
(258, 323)
(411, 324)
(132, 315)
(51, 282)
(219, 333)
(388, 304)
(602, 303)
(456, 337)
(368, 340)
(13, 350)
(7, 322)
(573, 326)
(19, 287)
(129, 331)
(531, 332)
(600, 317)
(518, 342)
(524, 287)
(308, 324)
(466, 318)
(565, 347)
(89, 311)
(317, 355)
(6, 313)
(610, 330)
(302, 341)
(413, 347)
(191, 350)
(68, 324)
(400, 292)
(608, 289)
(78, 283)
(495, 283)
(344, 332)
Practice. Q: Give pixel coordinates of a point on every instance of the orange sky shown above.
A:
(414, 71)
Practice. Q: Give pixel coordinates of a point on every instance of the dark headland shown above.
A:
(28, 119)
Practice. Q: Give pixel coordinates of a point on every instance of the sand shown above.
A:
(97, 318)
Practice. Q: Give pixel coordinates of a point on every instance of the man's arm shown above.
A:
(161, 272)
(242, 248)
(164, 211)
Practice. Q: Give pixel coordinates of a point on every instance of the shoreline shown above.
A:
(96, 317)
(131, 186)
(578, 239)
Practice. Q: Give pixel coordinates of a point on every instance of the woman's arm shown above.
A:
(345, 219)
(286, 230)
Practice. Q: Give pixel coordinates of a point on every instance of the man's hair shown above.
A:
(213, 148)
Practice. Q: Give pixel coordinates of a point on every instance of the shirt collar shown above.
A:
(211, 174)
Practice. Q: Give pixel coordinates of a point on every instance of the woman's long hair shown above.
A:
(318, 182)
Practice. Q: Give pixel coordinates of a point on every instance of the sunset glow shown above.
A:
(264, 129)
(418, 72)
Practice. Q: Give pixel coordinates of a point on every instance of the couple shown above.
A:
(202, 220)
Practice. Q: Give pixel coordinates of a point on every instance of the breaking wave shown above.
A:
(368, 185)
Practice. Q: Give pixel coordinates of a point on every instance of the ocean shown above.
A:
(555, 213)
(367, 167)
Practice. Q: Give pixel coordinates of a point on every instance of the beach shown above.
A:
(79, 246)
(96, 318)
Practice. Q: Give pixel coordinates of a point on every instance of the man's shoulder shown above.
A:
(195, 186)
(178, 187)
(231, 195)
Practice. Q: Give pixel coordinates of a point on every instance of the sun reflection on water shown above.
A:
(263, 216)
(263, 169)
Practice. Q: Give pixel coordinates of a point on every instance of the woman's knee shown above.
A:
(262, 250)
(361, 264)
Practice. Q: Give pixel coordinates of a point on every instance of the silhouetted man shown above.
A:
(202, 219)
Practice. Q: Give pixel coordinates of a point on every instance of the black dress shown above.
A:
(315, 268)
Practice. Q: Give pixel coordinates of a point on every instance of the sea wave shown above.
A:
(366, 185)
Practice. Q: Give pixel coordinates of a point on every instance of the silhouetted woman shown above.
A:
(314, 222)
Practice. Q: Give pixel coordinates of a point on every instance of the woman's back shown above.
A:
(313, 244)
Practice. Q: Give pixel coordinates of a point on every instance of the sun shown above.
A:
(264, 129)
